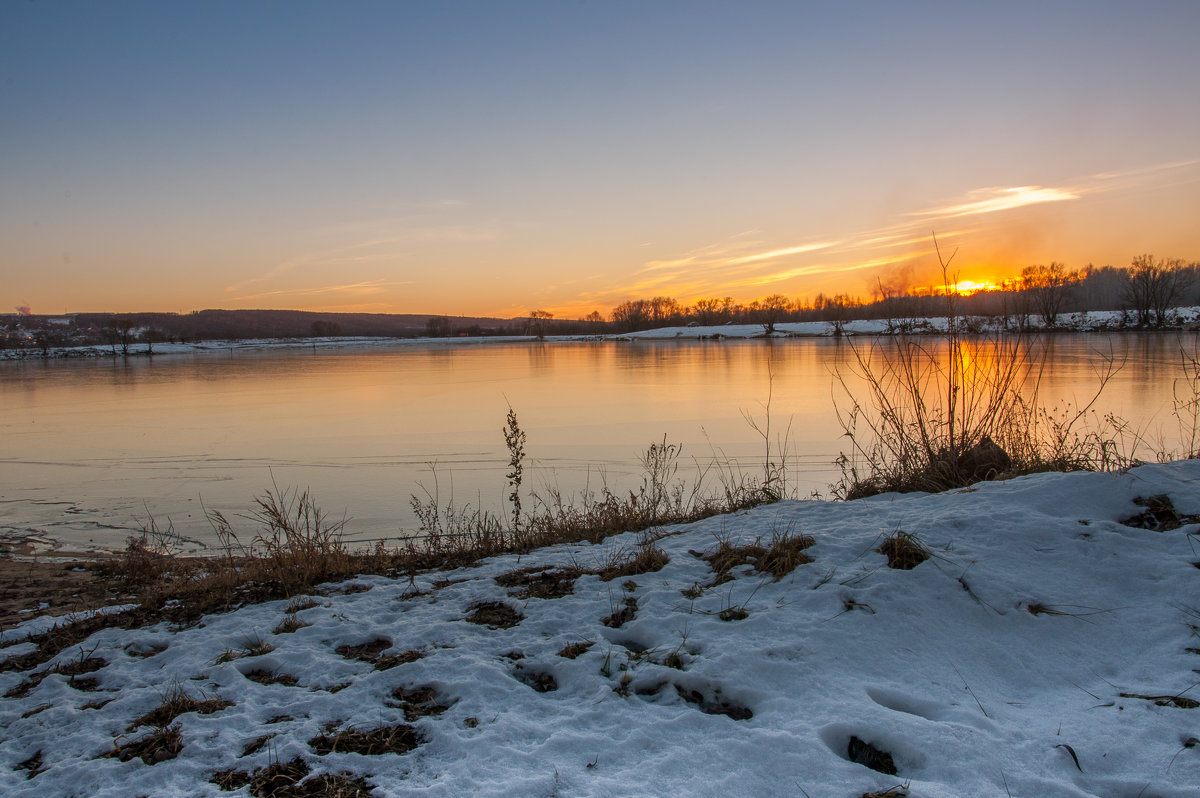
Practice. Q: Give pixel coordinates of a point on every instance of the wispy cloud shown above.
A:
(365, 287)
(780, 253)
(1146, 170)
(991, 200)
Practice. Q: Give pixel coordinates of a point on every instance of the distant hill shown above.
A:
(217, 324)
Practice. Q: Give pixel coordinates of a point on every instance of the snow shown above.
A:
(943, 666)
(1087, 321)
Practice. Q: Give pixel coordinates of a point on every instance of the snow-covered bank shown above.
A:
(1186, 318)
(1008, 663)
(1093, 321)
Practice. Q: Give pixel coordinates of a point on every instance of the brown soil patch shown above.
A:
(861, 752)
(159, 746)
(1160, 514)
(573, 650)
(56, 581)
(72, 669)
(541, 681)
(284, 780)
(418, 702)
(494, 615)
(372, 652)
(398, 739)
(540, 582)
(255, 745)
(623, 615)
(32, 766)
(367, 652)
(272, 677)
(714, 705)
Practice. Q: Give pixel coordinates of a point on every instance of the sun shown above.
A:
(968, 287)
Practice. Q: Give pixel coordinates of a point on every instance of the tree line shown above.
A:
(1146, 291)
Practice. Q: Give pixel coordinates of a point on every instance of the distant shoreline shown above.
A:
(1187, 320)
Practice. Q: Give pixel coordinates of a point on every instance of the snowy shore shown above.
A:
(1048, 647)
(1095, 321)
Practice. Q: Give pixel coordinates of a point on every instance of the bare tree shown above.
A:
(770, 310)
(1047, 288)
(1153, 286)
(538, 319)
(439, 327)
(632, 315)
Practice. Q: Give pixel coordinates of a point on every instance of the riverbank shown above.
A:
(1186, 319)
(1046, 646)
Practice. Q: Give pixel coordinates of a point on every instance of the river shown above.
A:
(91, 450)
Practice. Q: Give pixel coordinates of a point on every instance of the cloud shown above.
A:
(1145, 170)
(364, 287)
(780, 253)
(991, 200)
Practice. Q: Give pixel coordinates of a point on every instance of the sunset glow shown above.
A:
(968, 287)
(486, 159)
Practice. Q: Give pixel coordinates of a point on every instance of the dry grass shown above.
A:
(160, 745)
(290, 623)
(175, 702)
(949, 410)
(266, 677)
(288, 780)
(645, 558)
(904, 551)
(574, 650)
(543, 582)
(72, 669)
(494, 615)
(418, 702)
(252, 647)
(622, 615)
(779, 557)
(398, 739)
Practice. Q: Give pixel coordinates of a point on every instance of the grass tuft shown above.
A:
(398, 739)
(540, 582)
(265, 677)
(904, 551)
(418, 702)
(175, 702)
(160, 745)
(574, 650)
(646, 558)
(494, 615)
(290, 623)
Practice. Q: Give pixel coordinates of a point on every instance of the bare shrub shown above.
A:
(946, 411)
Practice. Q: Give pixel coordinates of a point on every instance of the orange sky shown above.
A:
(486, 160)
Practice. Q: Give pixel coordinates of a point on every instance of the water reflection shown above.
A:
(120, 439)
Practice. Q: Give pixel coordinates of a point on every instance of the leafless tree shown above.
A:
(538, 319)
(1153, 286)
(1047, 288)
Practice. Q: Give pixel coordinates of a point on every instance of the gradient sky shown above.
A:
(492, 157)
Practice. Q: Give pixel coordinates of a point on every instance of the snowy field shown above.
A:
(1044, 649)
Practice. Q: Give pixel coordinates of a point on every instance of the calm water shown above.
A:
(88, 450)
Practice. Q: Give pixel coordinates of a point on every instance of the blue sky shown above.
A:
(485, 158)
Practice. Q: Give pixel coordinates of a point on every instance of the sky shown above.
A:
(482, 158)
